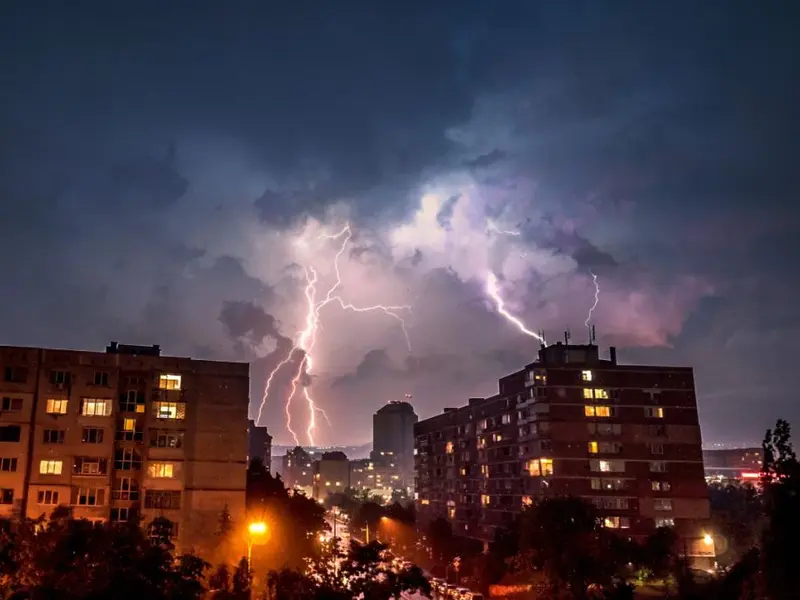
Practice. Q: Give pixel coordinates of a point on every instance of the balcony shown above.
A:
(135, 437)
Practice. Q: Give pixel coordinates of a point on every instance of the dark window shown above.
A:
(131, 401)
(15, 374)
(101, 378)
(92, 435)
(127, 459)
(6, 496)
(126, 488)
(47, 497)
(8, 464)
(59, 377)
(162, 499)
(165, 438)
(89, 465)
(11, 405)
(53, 436)
(120, 515)
(90, 496)
(10, 433)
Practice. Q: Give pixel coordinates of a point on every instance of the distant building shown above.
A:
(298, 469)
(259, 444)
(331, 474)
(379, 478)
(742, 464)
(122, 435)
(276, 467)
(393, 439)
(624, 437)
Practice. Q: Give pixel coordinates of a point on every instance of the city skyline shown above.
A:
(465, 166)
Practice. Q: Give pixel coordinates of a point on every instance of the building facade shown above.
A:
(624, 437)
(741, 464)
(298, 470)
(393, 440)
(331, 474)
(259, 444)
(378, 478)
(122, 434)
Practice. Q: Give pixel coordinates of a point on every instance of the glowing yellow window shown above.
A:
(424, 501)
(587, 376)
(546, 466)
(160, 470)
(129, 424)
(451, 512)
(50, 467)
(593, 449)
(589, 411)
(527, 501)
(56, 406)
(484, 499)
(168, 381)
(481, 442)
(601, 394)
(497, 437)
(602, 411)
(587, 393)
(449, 448)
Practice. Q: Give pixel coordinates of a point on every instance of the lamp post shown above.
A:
(255, 529)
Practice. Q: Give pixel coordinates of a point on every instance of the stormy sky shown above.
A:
(173, 172)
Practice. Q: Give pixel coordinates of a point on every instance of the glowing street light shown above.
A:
(707, 539)
(256, 529)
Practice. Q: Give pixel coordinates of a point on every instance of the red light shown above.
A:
(750, 475)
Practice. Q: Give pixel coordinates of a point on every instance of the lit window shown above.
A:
(160, 470)
(451, 512)
(616, 522)
(660, 486)
(449, 448)
(662, 504)
(56, 406)
(50, 467)
(506, 419)
(527, 501)
(654, 412)
(607, 466)
(601, 394)
(94, 407)
(593, 448)
(481, 442)
(170, 410)
(129, 424)
(485, 499)
(168, 381)
(497, 437)
(597, 411)
(587, 394)
(665, 523)
(587, 376)
(541, 467)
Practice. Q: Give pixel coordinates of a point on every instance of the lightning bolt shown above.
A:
(492, 226)
(307, 338)
(493, 289)
(596, 299)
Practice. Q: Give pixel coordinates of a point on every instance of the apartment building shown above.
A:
(382, 477)
(123, 434)
(624, 437)
(331, 474)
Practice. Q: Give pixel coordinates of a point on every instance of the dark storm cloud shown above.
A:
(156, 180)
(486, 160)
(247, 320)
(446, 212)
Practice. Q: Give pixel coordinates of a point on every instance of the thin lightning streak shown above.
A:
(492, 226)
(493, 290)
(307, 338)
(596, 299)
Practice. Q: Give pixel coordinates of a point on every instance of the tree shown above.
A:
(736, 517)
(781, 492)
(225, 587)
(368, 515)
(441, 539)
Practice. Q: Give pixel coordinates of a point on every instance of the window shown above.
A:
(169, 381)
(6, 496)
(593, 448)
(59, 377)
(497, 437)
(50, 467)
(101, 378)
(129, 424)
(92, 435)
(451, 512)
(658, 466)
(616, 522)
(653, 412)
(609, 484)
(485, 500)
(600, 394)
(47, 497)
(656, 430)
(540, 467)
(161, 470)
(89, 465)
(587, 376)
(506, 419)
(127, 459)
(449, 448)
(95, 407)
(8, 465)
(120, 515)
(587, 394)
(656, 448)
(665, 523)
(604, 428)
(11, 405)
(169, 410)
(57, 406)
(607, 466)
(15, 374)
(10, 433)
(126, 488)
(598, 411)
(660, 486)
(53, 436)
(90, 497)
(662, 504)
(131, 401)
(611, 503)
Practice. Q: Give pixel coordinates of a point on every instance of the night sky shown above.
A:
(169, 172)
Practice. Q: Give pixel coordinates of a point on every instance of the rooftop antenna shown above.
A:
(567, 336)
(592, 335)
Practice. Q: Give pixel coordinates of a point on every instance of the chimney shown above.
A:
(612, 351)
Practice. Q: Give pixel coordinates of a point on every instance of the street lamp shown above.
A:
(707, 539)
(256, 529)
